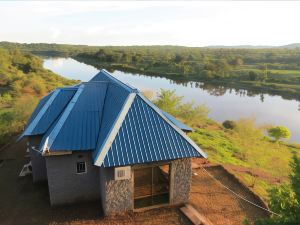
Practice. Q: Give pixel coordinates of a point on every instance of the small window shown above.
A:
(81, 167)
(120, 173)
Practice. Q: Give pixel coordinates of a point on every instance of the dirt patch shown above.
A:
(217, 203)
(210, 126)
(268, 177)
(23, 202)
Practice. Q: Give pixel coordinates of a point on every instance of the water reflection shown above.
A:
(223, 102)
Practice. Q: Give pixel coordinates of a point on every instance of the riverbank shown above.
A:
(273, 71)
(287, 91)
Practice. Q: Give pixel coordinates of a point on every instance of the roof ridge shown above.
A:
(64, 115)
(40, 114)
(102, 152)
(125, 85)
(102, 116)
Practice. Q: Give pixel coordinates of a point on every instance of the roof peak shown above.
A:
(113, 79)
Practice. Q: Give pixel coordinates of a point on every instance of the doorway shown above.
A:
(151, 185)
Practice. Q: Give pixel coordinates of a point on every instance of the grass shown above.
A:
(258, 161)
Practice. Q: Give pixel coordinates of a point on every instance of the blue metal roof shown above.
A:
(58, 105)
(115, 99)
(103, 75)
(79, 125)
(113, 120)
(147, 137)
(48, 110)
(177, 123)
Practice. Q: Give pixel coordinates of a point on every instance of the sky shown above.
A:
(186, 23)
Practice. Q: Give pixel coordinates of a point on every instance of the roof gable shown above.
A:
(146, 136)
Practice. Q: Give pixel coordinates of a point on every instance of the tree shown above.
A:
(178, 58)
(279, 132)
(253, 75)
(238, 62)
(187, 112)
(168, 101)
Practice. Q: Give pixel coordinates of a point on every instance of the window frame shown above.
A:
(85, 168)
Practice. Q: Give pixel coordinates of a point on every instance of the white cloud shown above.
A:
(129, 23)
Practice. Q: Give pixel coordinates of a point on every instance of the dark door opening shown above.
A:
(151, 186)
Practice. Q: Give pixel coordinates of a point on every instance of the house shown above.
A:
(103, 140)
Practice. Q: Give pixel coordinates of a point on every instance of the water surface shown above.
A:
(223, 103)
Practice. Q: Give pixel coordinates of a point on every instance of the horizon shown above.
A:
(127, 23)
(166, 45)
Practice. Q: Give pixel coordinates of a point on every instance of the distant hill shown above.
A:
(241, 46)
(294, 45)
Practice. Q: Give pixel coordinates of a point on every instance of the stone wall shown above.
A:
(39, 172)
(116, 195)
(65, 185)
(180, 181)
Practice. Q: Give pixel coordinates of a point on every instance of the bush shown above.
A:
(229, 124)
(253, 75)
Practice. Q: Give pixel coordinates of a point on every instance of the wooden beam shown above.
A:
(194, 216)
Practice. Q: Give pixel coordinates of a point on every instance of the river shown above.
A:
(223, 103)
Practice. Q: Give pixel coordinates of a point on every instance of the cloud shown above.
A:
(54, 33)
(129, 23)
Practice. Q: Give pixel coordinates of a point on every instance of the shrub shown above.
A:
(253, 75)
(229, 124)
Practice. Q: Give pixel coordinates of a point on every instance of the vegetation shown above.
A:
(229, 124)
(279, 132)
(285, 199)
(23, 80)
(274, 71)
(239, 145)
(244, 148)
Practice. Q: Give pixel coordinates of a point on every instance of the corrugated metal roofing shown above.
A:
(48, 110)
(78, 127)
(113, 120)
(103, 75)
(56, 108)
(114, 101)
(146, 137)
(177, 123)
